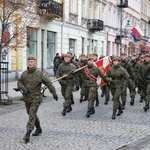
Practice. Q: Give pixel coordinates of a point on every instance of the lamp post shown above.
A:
(121, 4)
(121, 9)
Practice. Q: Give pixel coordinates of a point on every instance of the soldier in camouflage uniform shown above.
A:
(30, 84)
(77, 74)
(82, 63)
(90, 74)
(95, 58)
(140, 89)
(67, 83)
(145, 80)
(128, 67)
(118, 74)
(136, 67)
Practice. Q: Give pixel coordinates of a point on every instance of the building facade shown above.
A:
(79, 26)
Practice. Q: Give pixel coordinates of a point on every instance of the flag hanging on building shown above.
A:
(136, 33)
(137, 30)
(104, 65)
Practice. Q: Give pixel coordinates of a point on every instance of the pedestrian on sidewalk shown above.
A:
(30, 84)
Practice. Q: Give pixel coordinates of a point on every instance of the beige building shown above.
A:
(58, 27)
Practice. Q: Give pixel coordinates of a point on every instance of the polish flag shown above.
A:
(137, 30)
(104, 65)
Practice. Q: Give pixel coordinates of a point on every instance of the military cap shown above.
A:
(142, 56)
(123, 53)
(67, 55)
(82, 55)
(116, 58)
(95, 54)
(134, 54)
(90, 58)
(147, 55)
(70, 53)
(31, 58)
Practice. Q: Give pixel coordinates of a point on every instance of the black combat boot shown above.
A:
(102, 95)
(64, 111)
(27, 136)
(85, 98)
(69, 109)
(123, 105)
(114, 114)
(88, 113)
(72, 101)
(132, 101)
(97, 102)
(37, 131)
(92, 111)
(106, 101)
(141, 99)
(120, 111)
(146, 107)
(81, 98)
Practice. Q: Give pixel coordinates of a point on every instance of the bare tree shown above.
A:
(15, 17)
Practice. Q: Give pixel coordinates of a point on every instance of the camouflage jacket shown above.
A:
(32, 80)
(145, 72)
(118, 74)
(64, 69)
(136, 67)
(128, 67)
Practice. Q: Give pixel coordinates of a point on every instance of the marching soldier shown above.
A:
(82, 63)
(139, 81)
(91, 72)
(95, 58)
(118, 74)
(30, 84)
(127, 66)
(67, 83)
(77, 76)
(136, 67)
(145, 80)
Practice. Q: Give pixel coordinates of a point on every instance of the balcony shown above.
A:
(50, 9)
(122, 3)
(94, 25)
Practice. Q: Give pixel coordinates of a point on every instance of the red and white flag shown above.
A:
(104, 65)
(137, 30)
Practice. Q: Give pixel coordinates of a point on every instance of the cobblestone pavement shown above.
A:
(74, 131)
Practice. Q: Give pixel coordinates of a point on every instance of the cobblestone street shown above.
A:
(74, 131)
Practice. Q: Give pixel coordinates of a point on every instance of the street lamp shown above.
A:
(123, 33)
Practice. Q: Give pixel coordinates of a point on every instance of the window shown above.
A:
(32, 42)
(72, 45)
(73, 6)
(84, 8)
(50, 48)
(90, 10)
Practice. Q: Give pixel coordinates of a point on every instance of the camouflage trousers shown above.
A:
(91, 93)
(32, 109)
(146, 92)
(131, 86)
(106, 91)
(116, 93)
(67, 93)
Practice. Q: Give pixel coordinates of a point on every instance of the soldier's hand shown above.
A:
(55, 97)
(70, 72)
